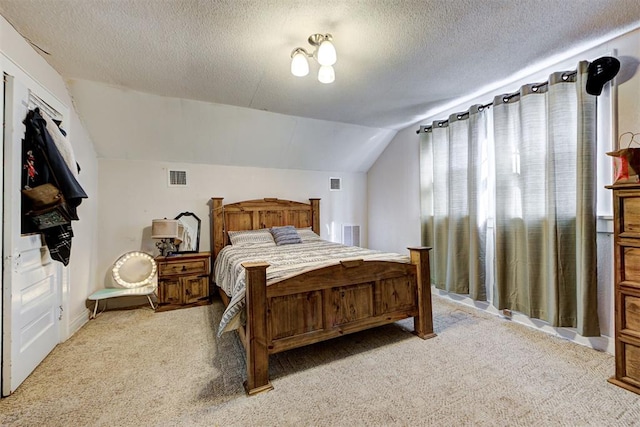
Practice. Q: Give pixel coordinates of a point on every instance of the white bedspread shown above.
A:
(284, 261)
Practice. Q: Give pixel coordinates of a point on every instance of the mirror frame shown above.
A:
(197, 245)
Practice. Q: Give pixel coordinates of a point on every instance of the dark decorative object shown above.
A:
(190, 238)
(600, 72)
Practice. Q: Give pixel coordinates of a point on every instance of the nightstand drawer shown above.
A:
(630, 211)
(631, 364)
(630, 314)
(183, 267)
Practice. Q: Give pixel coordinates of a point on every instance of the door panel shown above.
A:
(195, 288)
(31, 280)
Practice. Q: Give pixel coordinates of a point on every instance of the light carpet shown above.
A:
(140, 368)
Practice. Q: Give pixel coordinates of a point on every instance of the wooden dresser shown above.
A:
(626, 199)
(183, 280)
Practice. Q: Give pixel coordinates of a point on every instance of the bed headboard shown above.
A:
(260, 213)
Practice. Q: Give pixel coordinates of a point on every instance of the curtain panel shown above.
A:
(454, 203)
(545, 213)
(529, 166)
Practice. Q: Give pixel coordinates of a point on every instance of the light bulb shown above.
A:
(299, 64)
(326, 74)
(327, 53)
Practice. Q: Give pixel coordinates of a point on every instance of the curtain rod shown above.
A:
(507, 97)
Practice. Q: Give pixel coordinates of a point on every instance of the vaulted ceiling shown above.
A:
(398, 60)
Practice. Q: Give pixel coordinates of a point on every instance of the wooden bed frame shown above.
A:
(320, 304)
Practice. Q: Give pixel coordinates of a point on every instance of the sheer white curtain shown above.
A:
(454, 202)
(545, 172)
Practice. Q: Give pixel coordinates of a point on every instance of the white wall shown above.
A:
(394, 195)
(132, 193)
(83, 253)
(397, 171)
(127, 124)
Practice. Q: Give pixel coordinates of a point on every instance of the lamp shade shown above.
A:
(164, 228)
(299, 64)
(327, 53)
(326, 74)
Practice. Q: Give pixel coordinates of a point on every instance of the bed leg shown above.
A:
(423, 322)
(256, 328)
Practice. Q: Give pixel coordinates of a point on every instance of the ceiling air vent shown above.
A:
(335, 184)
(177, 178)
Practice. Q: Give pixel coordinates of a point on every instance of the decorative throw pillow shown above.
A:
(251, 237)
(307, 234)
(286, 235)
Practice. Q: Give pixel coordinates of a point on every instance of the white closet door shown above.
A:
(31, 280)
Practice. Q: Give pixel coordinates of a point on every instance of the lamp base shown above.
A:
(166, 247)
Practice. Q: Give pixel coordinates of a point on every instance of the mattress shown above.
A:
(284, 261)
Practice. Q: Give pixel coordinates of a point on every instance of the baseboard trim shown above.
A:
(601, 343)
(78, 322)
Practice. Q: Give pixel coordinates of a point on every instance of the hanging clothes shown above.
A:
(37, 144)
(62, 144)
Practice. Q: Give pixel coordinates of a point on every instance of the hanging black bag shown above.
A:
(47, 207)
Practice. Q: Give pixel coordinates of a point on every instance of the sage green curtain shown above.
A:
(454, 201)
(545, 213)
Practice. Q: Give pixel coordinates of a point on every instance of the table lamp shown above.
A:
(165, 230)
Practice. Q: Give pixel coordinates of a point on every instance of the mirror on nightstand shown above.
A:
(189, 233)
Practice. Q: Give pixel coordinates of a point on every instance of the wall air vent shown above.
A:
(335, 184)
(177, 178)
(351, 235)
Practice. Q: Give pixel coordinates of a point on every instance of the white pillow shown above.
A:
(307, 234)
(251, 237)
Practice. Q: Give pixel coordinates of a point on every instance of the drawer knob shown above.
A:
(184, 268)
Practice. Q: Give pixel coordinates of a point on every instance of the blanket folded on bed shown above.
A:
(284, 262)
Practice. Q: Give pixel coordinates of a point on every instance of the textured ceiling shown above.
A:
(397, 59)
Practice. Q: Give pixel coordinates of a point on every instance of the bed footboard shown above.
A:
(330, 302)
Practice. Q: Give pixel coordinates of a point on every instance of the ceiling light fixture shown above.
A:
(325, 54)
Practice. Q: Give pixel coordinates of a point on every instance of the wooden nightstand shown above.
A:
(183, 280)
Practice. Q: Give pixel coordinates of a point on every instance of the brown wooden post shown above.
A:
(217, 228)
(256, 328)
(315, 215)
(423, 322)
